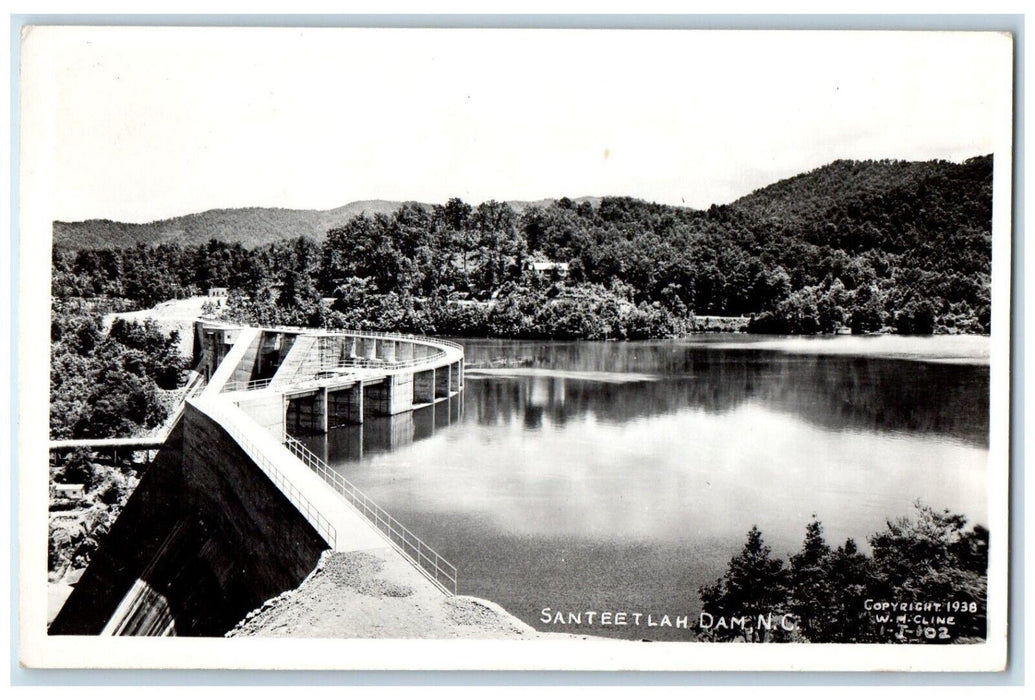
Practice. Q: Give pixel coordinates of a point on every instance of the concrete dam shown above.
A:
(234, 510)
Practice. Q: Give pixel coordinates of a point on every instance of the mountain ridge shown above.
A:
(819, 193)
(263, 224)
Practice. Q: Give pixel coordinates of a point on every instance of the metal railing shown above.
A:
(358, 334)
(438, 569)
(368, 334)
(324, 365)
(192, 392)
(380, 363)
(394, 336)
(304, 506)
(370, 363)
(245, 386)
(198, 387)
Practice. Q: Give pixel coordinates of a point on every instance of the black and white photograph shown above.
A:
(401, 348)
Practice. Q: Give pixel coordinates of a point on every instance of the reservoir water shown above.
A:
(623, 476)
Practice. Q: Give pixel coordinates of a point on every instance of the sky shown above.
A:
(138, 124)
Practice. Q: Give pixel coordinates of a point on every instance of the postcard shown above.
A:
(393, 348)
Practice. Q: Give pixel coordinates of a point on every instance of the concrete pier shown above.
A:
(377, 398)
(424, 387)
(442, 382)
(306, 412)
(345, 405)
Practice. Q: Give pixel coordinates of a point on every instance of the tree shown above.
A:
(801, 311)
(916, 317)
(931, 557)
(830, 308)
(866, 313)
(754, 586)
(299, 280)
(79, 469)
(497, 235)
(457, 217)
(354, 299)
(146, 351)
(828, 590)
(80, 332)
(121, 404)
(770, 287)
(109, 387)
(812, 596)
(848, 575)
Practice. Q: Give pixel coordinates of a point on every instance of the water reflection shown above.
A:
(616, 474)
(832, 392)
(354, 443)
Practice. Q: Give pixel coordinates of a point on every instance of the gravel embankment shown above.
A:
(376, 594)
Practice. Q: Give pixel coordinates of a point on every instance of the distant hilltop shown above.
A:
(822, 195)
(252, 227)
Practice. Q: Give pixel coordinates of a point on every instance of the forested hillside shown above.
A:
(869, 246)
(108, 384)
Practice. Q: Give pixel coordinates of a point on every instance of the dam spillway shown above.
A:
(233, 511)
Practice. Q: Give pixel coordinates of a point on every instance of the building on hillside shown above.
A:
(72, 492)
(218, 291)
(559, 269)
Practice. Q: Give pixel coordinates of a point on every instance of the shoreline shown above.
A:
(180, 314)
(941, 349)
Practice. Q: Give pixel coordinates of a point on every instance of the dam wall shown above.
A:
(206, 537)
(147, 520)
(228, 516)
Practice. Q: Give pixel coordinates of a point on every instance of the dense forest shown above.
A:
(108, 384)
(875, 246)
(931, 563)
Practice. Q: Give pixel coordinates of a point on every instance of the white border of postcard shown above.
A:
(38, 120)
